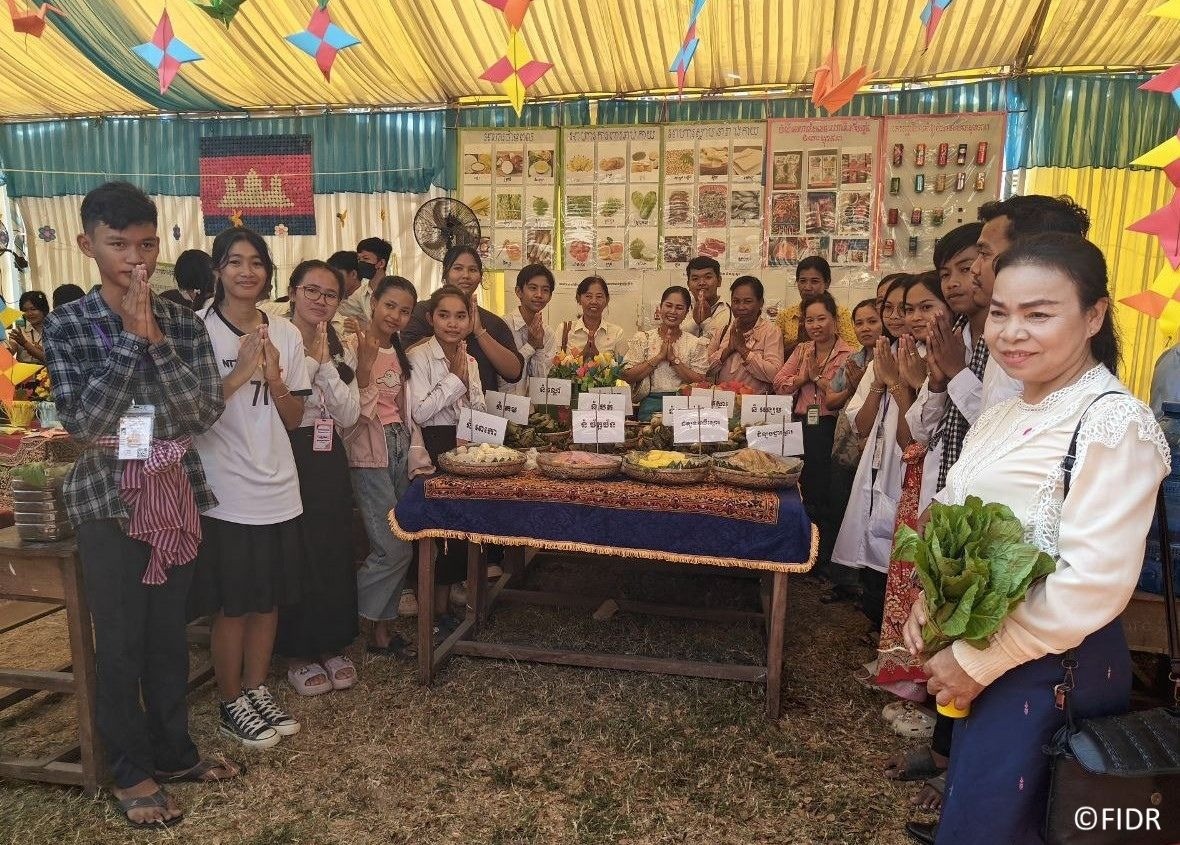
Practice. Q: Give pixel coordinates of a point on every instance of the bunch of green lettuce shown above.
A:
(974, 567)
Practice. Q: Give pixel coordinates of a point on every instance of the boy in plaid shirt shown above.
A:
(136, 521)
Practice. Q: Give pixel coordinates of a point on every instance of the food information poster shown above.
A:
(508, 178)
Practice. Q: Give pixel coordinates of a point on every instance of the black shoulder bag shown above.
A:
(1117, 779)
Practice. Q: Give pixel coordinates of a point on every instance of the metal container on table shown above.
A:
(38, 511)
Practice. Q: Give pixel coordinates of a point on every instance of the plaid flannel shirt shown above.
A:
(98, 371)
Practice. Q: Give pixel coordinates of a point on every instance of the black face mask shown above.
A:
(366, 270)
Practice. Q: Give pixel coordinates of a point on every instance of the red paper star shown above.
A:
(514, 10)
(1165, 225)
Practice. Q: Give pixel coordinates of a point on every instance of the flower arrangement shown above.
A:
(603, 370)
(36, 388)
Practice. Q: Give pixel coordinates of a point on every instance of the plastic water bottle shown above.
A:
(1152, 577)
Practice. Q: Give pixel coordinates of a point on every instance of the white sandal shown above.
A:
(301, 679)
(913, 723)
(337, 664)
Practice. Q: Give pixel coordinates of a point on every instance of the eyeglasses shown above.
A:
(315, 294)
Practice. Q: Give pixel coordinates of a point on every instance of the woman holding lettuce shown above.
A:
(1050, 327)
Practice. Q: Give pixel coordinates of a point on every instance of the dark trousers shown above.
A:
(140, 650)
(872, 597)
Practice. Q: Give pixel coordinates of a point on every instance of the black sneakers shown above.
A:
(266, 707)
(240, 721)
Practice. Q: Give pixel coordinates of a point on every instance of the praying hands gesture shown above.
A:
(318, 350)
(911, 367)
(946, 353)
(737, 341)
(367, 347)
(136, 308)
(271, 370)
(700, 310)
(459, 362)
(885, 364)
(537, 332)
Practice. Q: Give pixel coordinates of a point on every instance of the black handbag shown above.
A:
(1116, 779)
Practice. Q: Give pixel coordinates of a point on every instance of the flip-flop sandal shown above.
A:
(933, 786)
(301, 679)
(397, 647)
(914, 724)
(197, 774)
(338, 664)
(157, 800)
(916, 764)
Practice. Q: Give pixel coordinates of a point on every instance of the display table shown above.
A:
(706, 525)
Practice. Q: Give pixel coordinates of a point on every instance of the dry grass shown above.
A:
(509, 754)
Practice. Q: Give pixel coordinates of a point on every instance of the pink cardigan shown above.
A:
(365, 440)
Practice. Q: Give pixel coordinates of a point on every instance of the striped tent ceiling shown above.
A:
(431, 52)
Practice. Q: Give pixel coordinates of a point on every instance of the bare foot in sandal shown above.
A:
(914, 764)
(146, 805)
(204, 771)
(929, 797)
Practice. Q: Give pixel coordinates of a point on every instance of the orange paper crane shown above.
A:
(830, 91)
(31, 23)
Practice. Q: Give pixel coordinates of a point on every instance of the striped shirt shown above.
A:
(98, 370)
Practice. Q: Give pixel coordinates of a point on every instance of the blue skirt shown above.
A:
(998, 781)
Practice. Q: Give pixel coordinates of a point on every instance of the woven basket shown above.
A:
(497, 470)
(694, 475)
(739, 478)
(563, 472)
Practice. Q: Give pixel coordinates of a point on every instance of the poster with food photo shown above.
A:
(821, 213)
(644, 162)
(541, 165)
(745, 248)
(507, 250)
(788, 171)
(509, 166)
(713, 161)
(787, 252)
(610, 249)
(539, 246)
(712, 206)
(680, 163)
(538, 205)
(823, 169)
(642, 207)
(579, 164)
(679, 247)
(579, 205)
(679, 207)
(745, 162)
(850, 251)
(784, 213)
(642, 249)
(856, 167)
(508, 208)
(612, 162)
(854, 214)
(479, 199)
(579, 249)
(745, 206)
(612, 206)
(476, 164)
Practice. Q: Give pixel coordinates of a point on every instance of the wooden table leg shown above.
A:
(425, 611)
(774, 645)
(82, 655)
(477, 579)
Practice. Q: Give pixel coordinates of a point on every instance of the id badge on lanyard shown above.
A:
(325, 428)
(813, 414)
(136, 428)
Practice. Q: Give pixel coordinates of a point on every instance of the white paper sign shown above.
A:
(673, 403)
(782, 438)
(624, 391)
(508, 405)
(717, 399)
(478, 427)
(759, 410)
(598, 426)
(603, 402)
(700, 425)
(550, 391)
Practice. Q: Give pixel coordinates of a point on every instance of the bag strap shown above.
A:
(1069, 659)
(565, 335)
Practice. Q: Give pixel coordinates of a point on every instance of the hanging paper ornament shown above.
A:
(47, 234)
(931, 16)
(383, 214)
(688, 46)
(514, 10)
(1170, 9)
(1167, 82)
(1161, 300)
(322, 40)
(831, 91)
(221, 10)
(176, 231)
(281, 230)
(342, 216)
(1165, 157)
(33, 22)
(235, 220)
(1165, 225)
(516, 71)
(166, 53)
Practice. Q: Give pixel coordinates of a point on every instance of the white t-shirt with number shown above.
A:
(247, 453)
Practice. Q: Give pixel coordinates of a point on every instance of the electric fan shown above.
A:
(442, 223)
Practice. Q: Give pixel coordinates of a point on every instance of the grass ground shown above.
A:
(516, 754)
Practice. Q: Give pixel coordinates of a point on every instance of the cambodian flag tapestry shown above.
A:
(259, 181)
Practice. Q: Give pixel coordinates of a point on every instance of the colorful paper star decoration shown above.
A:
(221, 10)
(516, 71)
(31, 23)
(688, 46)
(166, 53)
(931, 17)
(322, 40)
(1161, 301)
(1165, 157)
(1165, 225)
(514, 10)
(830, 91)
(1170, 9)
(1167, 82)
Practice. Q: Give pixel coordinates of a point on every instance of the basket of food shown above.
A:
(757, 469)
(578, 466)
(556, 438)
(663, 467)
(535, 434)
(482, 461)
